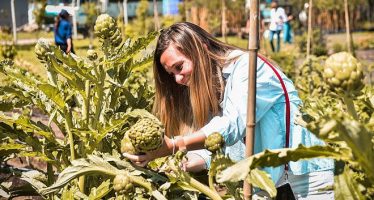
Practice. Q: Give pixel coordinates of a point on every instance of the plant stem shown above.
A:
(350, 106)
(50, 177)
(147, 185)
(100, 94)
(68, 126)
(202, 188)
(212, 194)
(86, 104)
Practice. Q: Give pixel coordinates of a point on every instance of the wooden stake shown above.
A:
(253, 47)
(348, 28)
(309, 28)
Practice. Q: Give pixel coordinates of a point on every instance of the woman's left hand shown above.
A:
(140, 160)
(143, 159)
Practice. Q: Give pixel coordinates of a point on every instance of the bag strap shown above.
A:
(288, 119)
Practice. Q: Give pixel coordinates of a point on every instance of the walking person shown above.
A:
(277, 18)
(202, 87)
(63, 32)
(287, 34)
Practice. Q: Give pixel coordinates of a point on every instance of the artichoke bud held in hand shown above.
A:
(343, 72)
(146, 135)
(126, 146)
(214, 142)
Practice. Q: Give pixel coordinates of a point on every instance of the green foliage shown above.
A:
(318, 43)
(7, 50)
(286, 61)
(39, 12)
(85, 97)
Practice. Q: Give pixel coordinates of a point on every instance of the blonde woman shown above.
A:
(201, 88)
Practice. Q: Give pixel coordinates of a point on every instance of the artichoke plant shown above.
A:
(343, 72)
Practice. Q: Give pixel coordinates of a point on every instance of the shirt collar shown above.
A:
(226, 71)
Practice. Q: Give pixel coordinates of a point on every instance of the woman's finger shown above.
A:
(135, 158)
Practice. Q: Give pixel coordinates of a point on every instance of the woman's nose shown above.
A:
(178, 78)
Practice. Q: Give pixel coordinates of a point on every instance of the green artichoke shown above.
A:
(106, 28)
(122, 183)
(214, 142)
(343, 72)
(91, 54)
(146, 134)
(126, 146)
(8, 52)
(41, 49)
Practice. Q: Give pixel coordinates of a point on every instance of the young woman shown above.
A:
(202, 87)
(63, 32)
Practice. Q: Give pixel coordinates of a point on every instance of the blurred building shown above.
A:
(21, 13)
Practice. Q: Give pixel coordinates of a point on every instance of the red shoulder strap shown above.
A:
(288, 123)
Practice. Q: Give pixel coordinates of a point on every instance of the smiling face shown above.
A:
(177, 65)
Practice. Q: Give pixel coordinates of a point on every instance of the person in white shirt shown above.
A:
(277, 18)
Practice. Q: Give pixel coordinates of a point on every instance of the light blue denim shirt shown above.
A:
(270, 117)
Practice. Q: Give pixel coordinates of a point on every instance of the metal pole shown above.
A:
(155, 15)
(14, 26)
(125, 15)
(253, 47)
(75, 32)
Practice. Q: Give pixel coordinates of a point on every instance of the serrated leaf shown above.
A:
(262, 180)
(81, 167)
(135, 48)
(53, 93)
(273, 158)
(100, 192)
(345, 187)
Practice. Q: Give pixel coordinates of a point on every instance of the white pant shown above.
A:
(312, 186)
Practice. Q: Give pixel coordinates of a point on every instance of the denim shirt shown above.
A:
(63, 32)
(270, 117)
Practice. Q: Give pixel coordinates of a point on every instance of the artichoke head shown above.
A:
(42, 47)
(146, 134)
(214, 142)
(127, 147)
(106, 28)
(122, 183)
(343, 72)
(91, 54)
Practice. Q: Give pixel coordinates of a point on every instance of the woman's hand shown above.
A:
(143, 159)
(193, 163)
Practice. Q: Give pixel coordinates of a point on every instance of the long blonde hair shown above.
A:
(183, 108)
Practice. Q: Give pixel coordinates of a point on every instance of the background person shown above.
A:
(277, 18)
(202, 87)
(63, 32)
(287, 34)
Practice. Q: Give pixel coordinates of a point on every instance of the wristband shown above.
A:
(180, 143)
